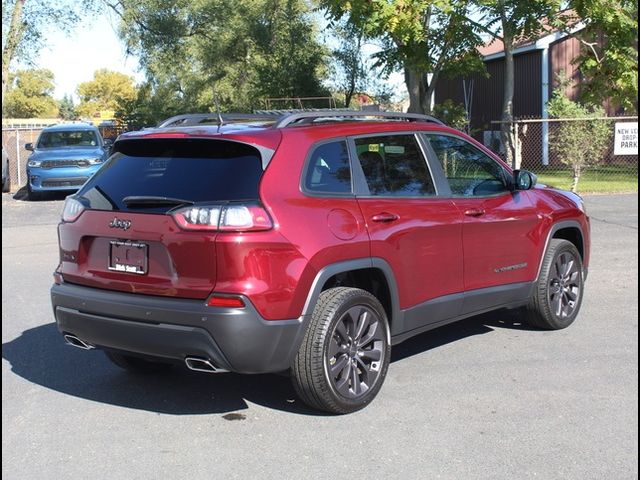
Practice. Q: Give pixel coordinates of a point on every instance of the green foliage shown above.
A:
(31, 95)
(107, 91)
(579, 144)
(419, 36)
(349, 70)
(609, 55)
(67, 109)
(25, 23)
(235, 51)
(38, 18)
(452, 113)
(516, 20)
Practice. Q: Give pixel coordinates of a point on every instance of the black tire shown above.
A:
(344, 357)
(137, 364)
(31, 195)
(558, 294)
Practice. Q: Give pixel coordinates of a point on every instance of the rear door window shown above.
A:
(193, 170)
(328, 169)
(394, 166)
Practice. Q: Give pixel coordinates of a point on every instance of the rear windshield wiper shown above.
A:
(151, 201)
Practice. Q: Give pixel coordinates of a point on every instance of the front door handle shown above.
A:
(474, 212)
(385, 217)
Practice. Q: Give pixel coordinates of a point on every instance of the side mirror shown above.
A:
(29, 146)
(523, 180)
(107, 142)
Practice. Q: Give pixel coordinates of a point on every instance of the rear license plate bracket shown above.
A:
(128, 257)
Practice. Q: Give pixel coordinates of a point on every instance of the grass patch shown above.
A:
(604, 179)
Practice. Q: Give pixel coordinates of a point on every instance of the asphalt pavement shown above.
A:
(487, 397)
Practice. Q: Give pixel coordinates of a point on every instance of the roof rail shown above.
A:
(190, 119)
(309, 117)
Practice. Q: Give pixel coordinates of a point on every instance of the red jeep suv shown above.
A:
(307, 243)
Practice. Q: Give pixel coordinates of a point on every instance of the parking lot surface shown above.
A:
(484, 398)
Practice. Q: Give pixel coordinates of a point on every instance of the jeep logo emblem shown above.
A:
(117, 223)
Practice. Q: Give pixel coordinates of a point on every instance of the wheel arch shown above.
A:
(371, 274)
(570, 230)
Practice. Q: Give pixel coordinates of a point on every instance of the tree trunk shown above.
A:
(13, 40)
(508, 140)
(416, 85)
(577, 172)
(349, 93)
(430, 92)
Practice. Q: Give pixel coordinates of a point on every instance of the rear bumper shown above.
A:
(238, 340)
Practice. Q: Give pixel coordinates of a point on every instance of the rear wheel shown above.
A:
(345, 354)
(558, 294)
(137, 364)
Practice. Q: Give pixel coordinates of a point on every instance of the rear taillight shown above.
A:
(72, 210)
(224, 218)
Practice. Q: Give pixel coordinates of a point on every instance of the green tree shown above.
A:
(579, 144)
(232, 51)
(67, 109)
(107, 91)
(453, 114)
(24, 25)
(427, 39)
(31, 95)
(609, 57)
(512, 22)
(349, 67)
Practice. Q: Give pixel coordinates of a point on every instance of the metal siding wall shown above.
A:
(561, 56)
(527, 98)
(488, 90)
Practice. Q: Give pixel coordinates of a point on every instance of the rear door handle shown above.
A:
(474, 212)
(385, 217)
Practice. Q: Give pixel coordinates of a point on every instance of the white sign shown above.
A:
(626, 141)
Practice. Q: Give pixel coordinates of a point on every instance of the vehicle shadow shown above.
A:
(23, 194)
(39, 355)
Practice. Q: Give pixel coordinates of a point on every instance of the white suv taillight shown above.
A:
(224, 218)
(72, 210)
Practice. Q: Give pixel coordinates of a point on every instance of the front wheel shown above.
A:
(558, 294)
(31, 195)
(345, 354)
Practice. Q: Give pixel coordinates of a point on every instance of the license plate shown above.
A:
(128, 257)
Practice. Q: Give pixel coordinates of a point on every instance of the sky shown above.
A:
(74, 57)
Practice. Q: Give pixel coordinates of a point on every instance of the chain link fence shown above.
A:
(13, 142)
(541, 147)
(615, 170)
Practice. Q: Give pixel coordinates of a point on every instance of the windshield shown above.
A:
(151, 174)
(71, 138)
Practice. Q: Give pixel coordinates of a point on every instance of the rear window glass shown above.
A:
(198, 171)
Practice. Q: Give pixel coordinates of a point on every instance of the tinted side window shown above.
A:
(328, 170)
(470, 172)
(394, 166)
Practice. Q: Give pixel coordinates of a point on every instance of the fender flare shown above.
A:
(554, 228)
(358, 264)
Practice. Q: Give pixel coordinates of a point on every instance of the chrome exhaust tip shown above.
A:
(202, 365)
(76, 342)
